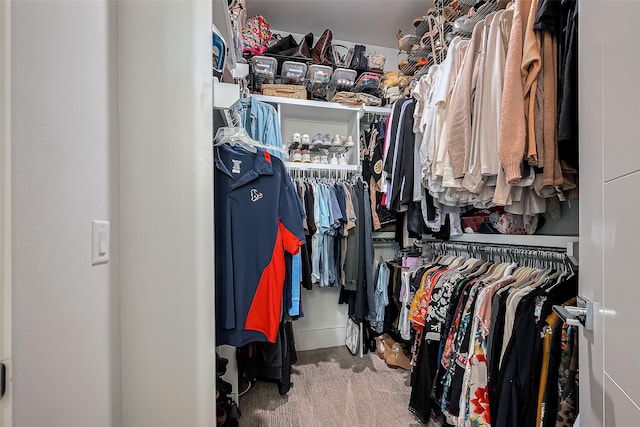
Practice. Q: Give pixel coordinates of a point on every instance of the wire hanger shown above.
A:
(238, 135)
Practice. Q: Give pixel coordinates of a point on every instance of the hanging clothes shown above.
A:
(481, 353)
(261, 122)
(254, 196)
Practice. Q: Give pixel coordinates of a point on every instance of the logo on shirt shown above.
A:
(255, 195)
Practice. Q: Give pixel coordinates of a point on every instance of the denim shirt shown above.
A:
(261, 123)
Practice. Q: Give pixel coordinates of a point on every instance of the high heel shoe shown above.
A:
(396, 358)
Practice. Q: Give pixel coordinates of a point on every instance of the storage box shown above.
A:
(264, 71)
(293, 73)
(285, 91)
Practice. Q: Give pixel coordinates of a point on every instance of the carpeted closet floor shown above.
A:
(332, 388)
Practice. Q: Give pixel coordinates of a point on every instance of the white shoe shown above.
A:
(324, 160)
(306, 158)
(305, 140)
(295, 137)
(349, 142)
(336, 141)
(297, 156)
(342, 159)
(334, 160)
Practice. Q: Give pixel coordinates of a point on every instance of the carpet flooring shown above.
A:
(332, 388)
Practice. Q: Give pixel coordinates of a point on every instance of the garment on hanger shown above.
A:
(261, 122)
(258, 218)
(481, 353)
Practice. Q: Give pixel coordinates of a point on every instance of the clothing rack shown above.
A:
(320, 174)
(540, 257)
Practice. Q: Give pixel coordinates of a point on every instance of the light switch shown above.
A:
(100, 242)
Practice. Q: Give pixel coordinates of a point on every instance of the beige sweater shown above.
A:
(513, 125)
(459, 116)
(531, 63)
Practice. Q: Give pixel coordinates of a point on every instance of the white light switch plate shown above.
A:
(100, 242)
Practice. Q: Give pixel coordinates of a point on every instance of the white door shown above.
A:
(610, 201)
(5, 218)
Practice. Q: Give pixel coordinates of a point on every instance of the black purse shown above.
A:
(359, 60)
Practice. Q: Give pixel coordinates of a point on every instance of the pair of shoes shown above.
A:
(297, 156)
(396, 358)
(320, 140)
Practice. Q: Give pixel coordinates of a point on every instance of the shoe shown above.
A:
(383, 343)
(221, 416)
(316, 159)
(324, 159)
(295, 138)
(342, 159)
(244, 385)
(334, 160)
(336, 141)
(317, 140)
(326, 140)
(297, 156)
(306, 158)
(305, 141)
(221, 365)
(223, 386)
(396, 358)
(349, 142)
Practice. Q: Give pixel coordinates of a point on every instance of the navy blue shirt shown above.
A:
(258, 216)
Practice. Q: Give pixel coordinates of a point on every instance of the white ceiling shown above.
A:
(368, 22)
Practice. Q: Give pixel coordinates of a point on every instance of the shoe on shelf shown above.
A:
(306, 158)
(305, 141)
(324, 159)
(295, 138)
(317, 140)
(337, 141)
(396, 358)
(334, 160)
(297, 156)
(342, 159)
(326, 140)
(349, 142)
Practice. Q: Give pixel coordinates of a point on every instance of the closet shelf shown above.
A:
(224, 94)
(558, 242)
(376, 110)
(305, 103)
(321, 167)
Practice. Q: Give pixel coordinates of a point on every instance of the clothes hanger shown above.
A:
(238, 135)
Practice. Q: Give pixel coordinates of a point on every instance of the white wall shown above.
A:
(66, 328)
(167, 213)
(5, 205)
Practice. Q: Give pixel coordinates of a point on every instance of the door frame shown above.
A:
(5, 204)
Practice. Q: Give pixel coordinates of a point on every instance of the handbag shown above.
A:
(352, 339)
(359, 61)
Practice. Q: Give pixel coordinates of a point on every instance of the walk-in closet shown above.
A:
(427, 266)
(319, 213)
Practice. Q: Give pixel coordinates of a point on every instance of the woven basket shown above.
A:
(285, 91)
